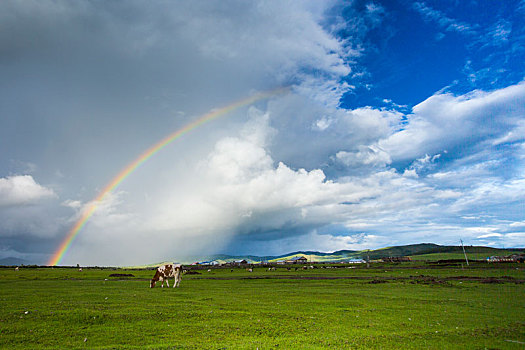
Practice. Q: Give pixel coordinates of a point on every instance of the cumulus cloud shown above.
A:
(323, 131)
(22, 190)
(24, 214)
(243, 186)
(445, 121)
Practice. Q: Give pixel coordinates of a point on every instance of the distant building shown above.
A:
(396, 259)
(236, 263)
(297, 260)
(356, 261)
(508, 258)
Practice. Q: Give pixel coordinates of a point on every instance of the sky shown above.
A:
(402, 122)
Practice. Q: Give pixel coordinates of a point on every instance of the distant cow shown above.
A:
(167, 271)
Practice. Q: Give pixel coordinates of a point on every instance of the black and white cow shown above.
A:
(167, 271)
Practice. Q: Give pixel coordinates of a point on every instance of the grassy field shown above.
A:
(446, 256)
(472, 254)
(409, 305)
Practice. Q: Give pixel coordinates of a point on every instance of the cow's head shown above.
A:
(152, 284)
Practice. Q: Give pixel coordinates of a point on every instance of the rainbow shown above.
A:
(124, 173)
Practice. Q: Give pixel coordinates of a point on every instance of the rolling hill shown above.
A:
(422, 251)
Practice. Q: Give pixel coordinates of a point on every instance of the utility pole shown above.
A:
(466, 259)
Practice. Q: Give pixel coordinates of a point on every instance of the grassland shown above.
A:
(448, 256)
(409, 305)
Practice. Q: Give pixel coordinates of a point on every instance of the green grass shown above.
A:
(473, 253)
(409, 305)
(447, 256)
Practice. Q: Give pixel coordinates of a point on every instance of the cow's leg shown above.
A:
(167, 283)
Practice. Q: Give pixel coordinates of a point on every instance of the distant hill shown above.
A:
(11, 261)
(422, 251)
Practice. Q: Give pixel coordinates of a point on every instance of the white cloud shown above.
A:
(445, 22)
(22, 190)
(24, 209)
(424, 164)
(518, 235)
(444, 121)
(514, 240)
(517, 224)
(487, 193)
(500, 31)
(489, 235)
(242, 183)
(410, 173)
(366, 155)
(75, 204)
(516, 133)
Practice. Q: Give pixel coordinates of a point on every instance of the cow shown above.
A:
(167, 271)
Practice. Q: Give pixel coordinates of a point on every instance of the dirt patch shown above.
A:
(121, 275)
(502, 279)
(377, 281)
(422, 279)
(492, 280)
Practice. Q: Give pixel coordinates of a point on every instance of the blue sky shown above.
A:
(469, 45)
(404, 123)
